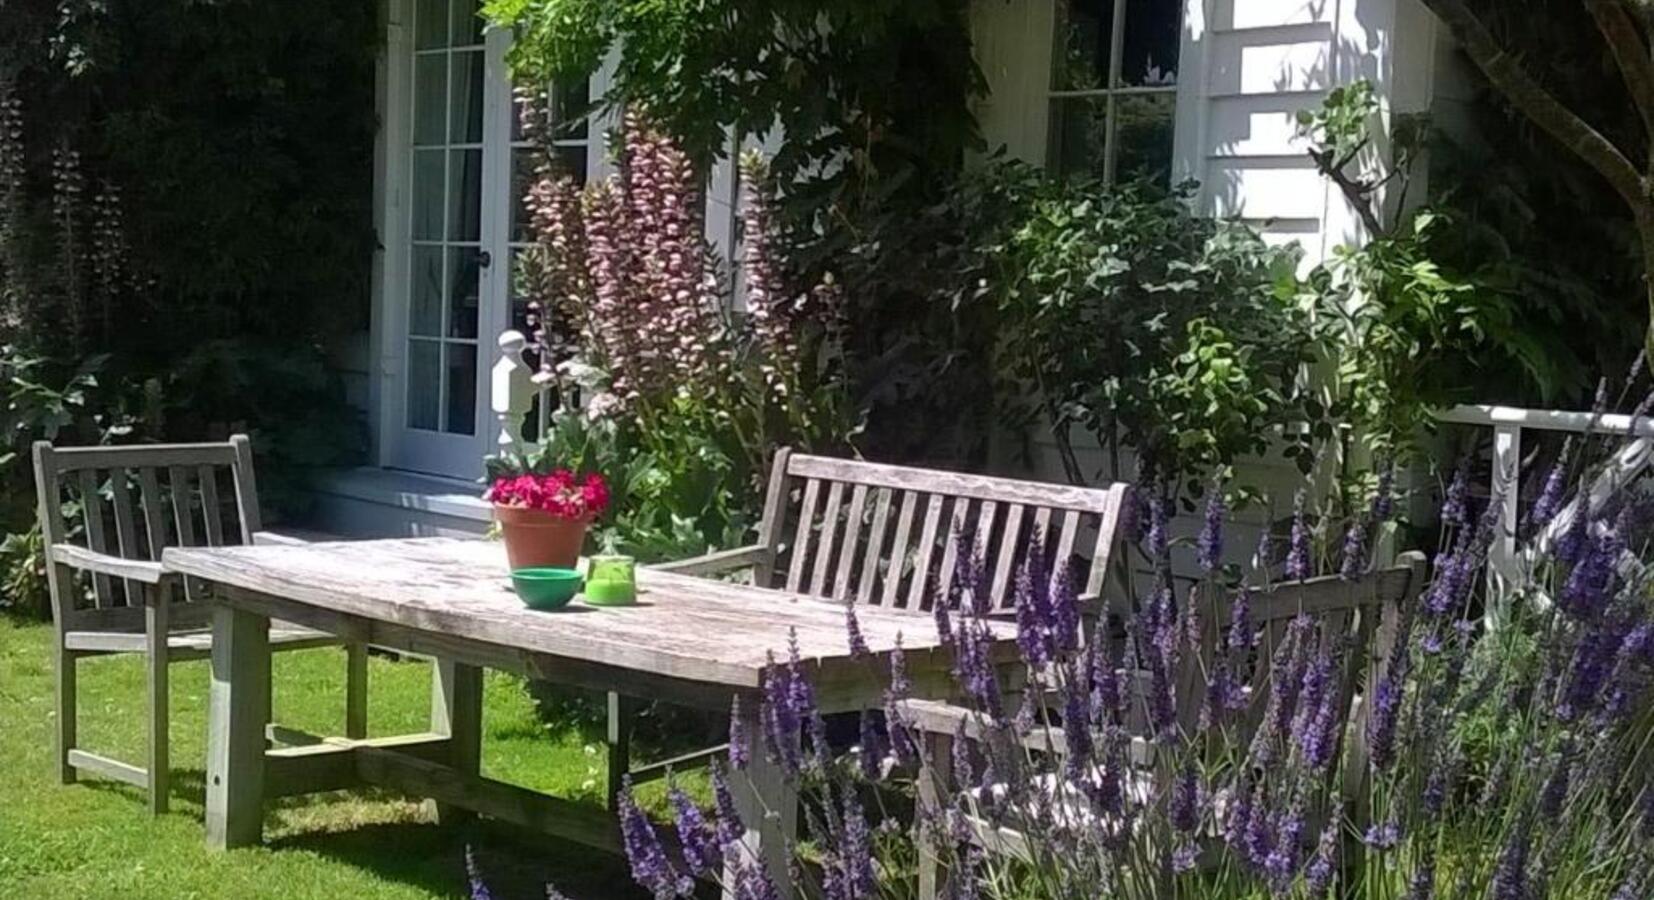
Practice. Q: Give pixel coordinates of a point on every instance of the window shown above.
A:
(1114, 88)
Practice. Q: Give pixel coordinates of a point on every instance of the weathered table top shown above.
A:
(683, 627)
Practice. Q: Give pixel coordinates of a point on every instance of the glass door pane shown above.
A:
(449, 93)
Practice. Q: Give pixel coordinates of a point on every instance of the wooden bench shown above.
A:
(846, 530)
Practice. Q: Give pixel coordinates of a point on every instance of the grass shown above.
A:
(96, 839)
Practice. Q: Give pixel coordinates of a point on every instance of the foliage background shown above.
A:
(220, 152)
(239, 138)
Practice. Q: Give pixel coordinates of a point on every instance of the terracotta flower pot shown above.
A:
(535, 537)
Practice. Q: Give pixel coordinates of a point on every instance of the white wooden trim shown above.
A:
(1193, 103)
(390, 275)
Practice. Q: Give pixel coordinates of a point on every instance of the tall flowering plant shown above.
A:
(632, 316)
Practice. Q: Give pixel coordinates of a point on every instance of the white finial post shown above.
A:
(511, 390)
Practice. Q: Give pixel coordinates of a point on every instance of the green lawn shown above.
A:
(96, 839)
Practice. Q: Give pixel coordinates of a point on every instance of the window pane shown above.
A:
(430, 98)
(463, 291)
(431, 24)
(1144, 138)
(425, 312)
(467, 24)
(1084, 39)
(427, 195)
(465, 120)
(571, 102)
(1079, 133)
(465, 195)
(1153, 32)
(424, 383)
(461, 364)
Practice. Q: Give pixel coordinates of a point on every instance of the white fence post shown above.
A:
(1507, 477)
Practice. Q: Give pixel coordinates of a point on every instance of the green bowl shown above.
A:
(545, 587)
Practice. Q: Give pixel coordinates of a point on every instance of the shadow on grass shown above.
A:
(514, 863)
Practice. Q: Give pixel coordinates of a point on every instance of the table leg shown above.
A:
(456, 711)
(768, 803)
(237, 711)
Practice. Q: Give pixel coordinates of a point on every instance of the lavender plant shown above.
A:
(1198, 750)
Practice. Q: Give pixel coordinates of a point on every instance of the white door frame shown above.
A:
(396, 445)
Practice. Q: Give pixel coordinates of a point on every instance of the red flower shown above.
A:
(561, 493)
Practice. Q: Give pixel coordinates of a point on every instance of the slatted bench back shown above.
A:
(891, 536)
(1355, 619)
(133, 502)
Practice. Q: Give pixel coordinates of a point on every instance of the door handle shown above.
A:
(485, 259)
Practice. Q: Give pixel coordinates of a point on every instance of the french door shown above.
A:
(464, 167)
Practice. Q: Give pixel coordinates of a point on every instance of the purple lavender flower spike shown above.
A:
(1355, 552)
(852, 631)
(1381, 727)
(739, 740)
(1185, 803)
(1239, 815)
(1555, 792)
(701, 851)
(1549, 502)
(1241, 634)
(1321, 869)
(1454, 509)
(479, 888)
(1587, 589)
(1159, 535)
(731, 831)
(944, 623)
(1258, 839)
(1033, 627)
(855, 852)
(1107, 700)
(1184, 858)
(1384, 497)
(1383, 836)
(1065, 613)
(650, 867)
(1077, 735)
(1297, 555)
(1422, 886)
(963, 770)
(1209, 547)
(1510, 876)
(871, 756)
(1131, 514)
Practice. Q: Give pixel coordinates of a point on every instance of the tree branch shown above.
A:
(1630, 53)
(1536, 103)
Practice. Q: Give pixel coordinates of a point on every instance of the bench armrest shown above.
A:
(716, 563)
(114, 566)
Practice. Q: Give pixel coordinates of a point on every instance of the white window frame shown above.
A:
(1110, 93)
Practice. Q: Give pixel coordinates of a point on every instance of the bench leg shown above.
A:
(356, 691)
(67, 711)
(935, 771)
(621, 712)
(768, 803)
(156, 660)
(238, 708)
(456, 711)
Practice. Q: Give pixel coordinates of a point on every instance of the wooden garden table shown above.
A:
(688, 640)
